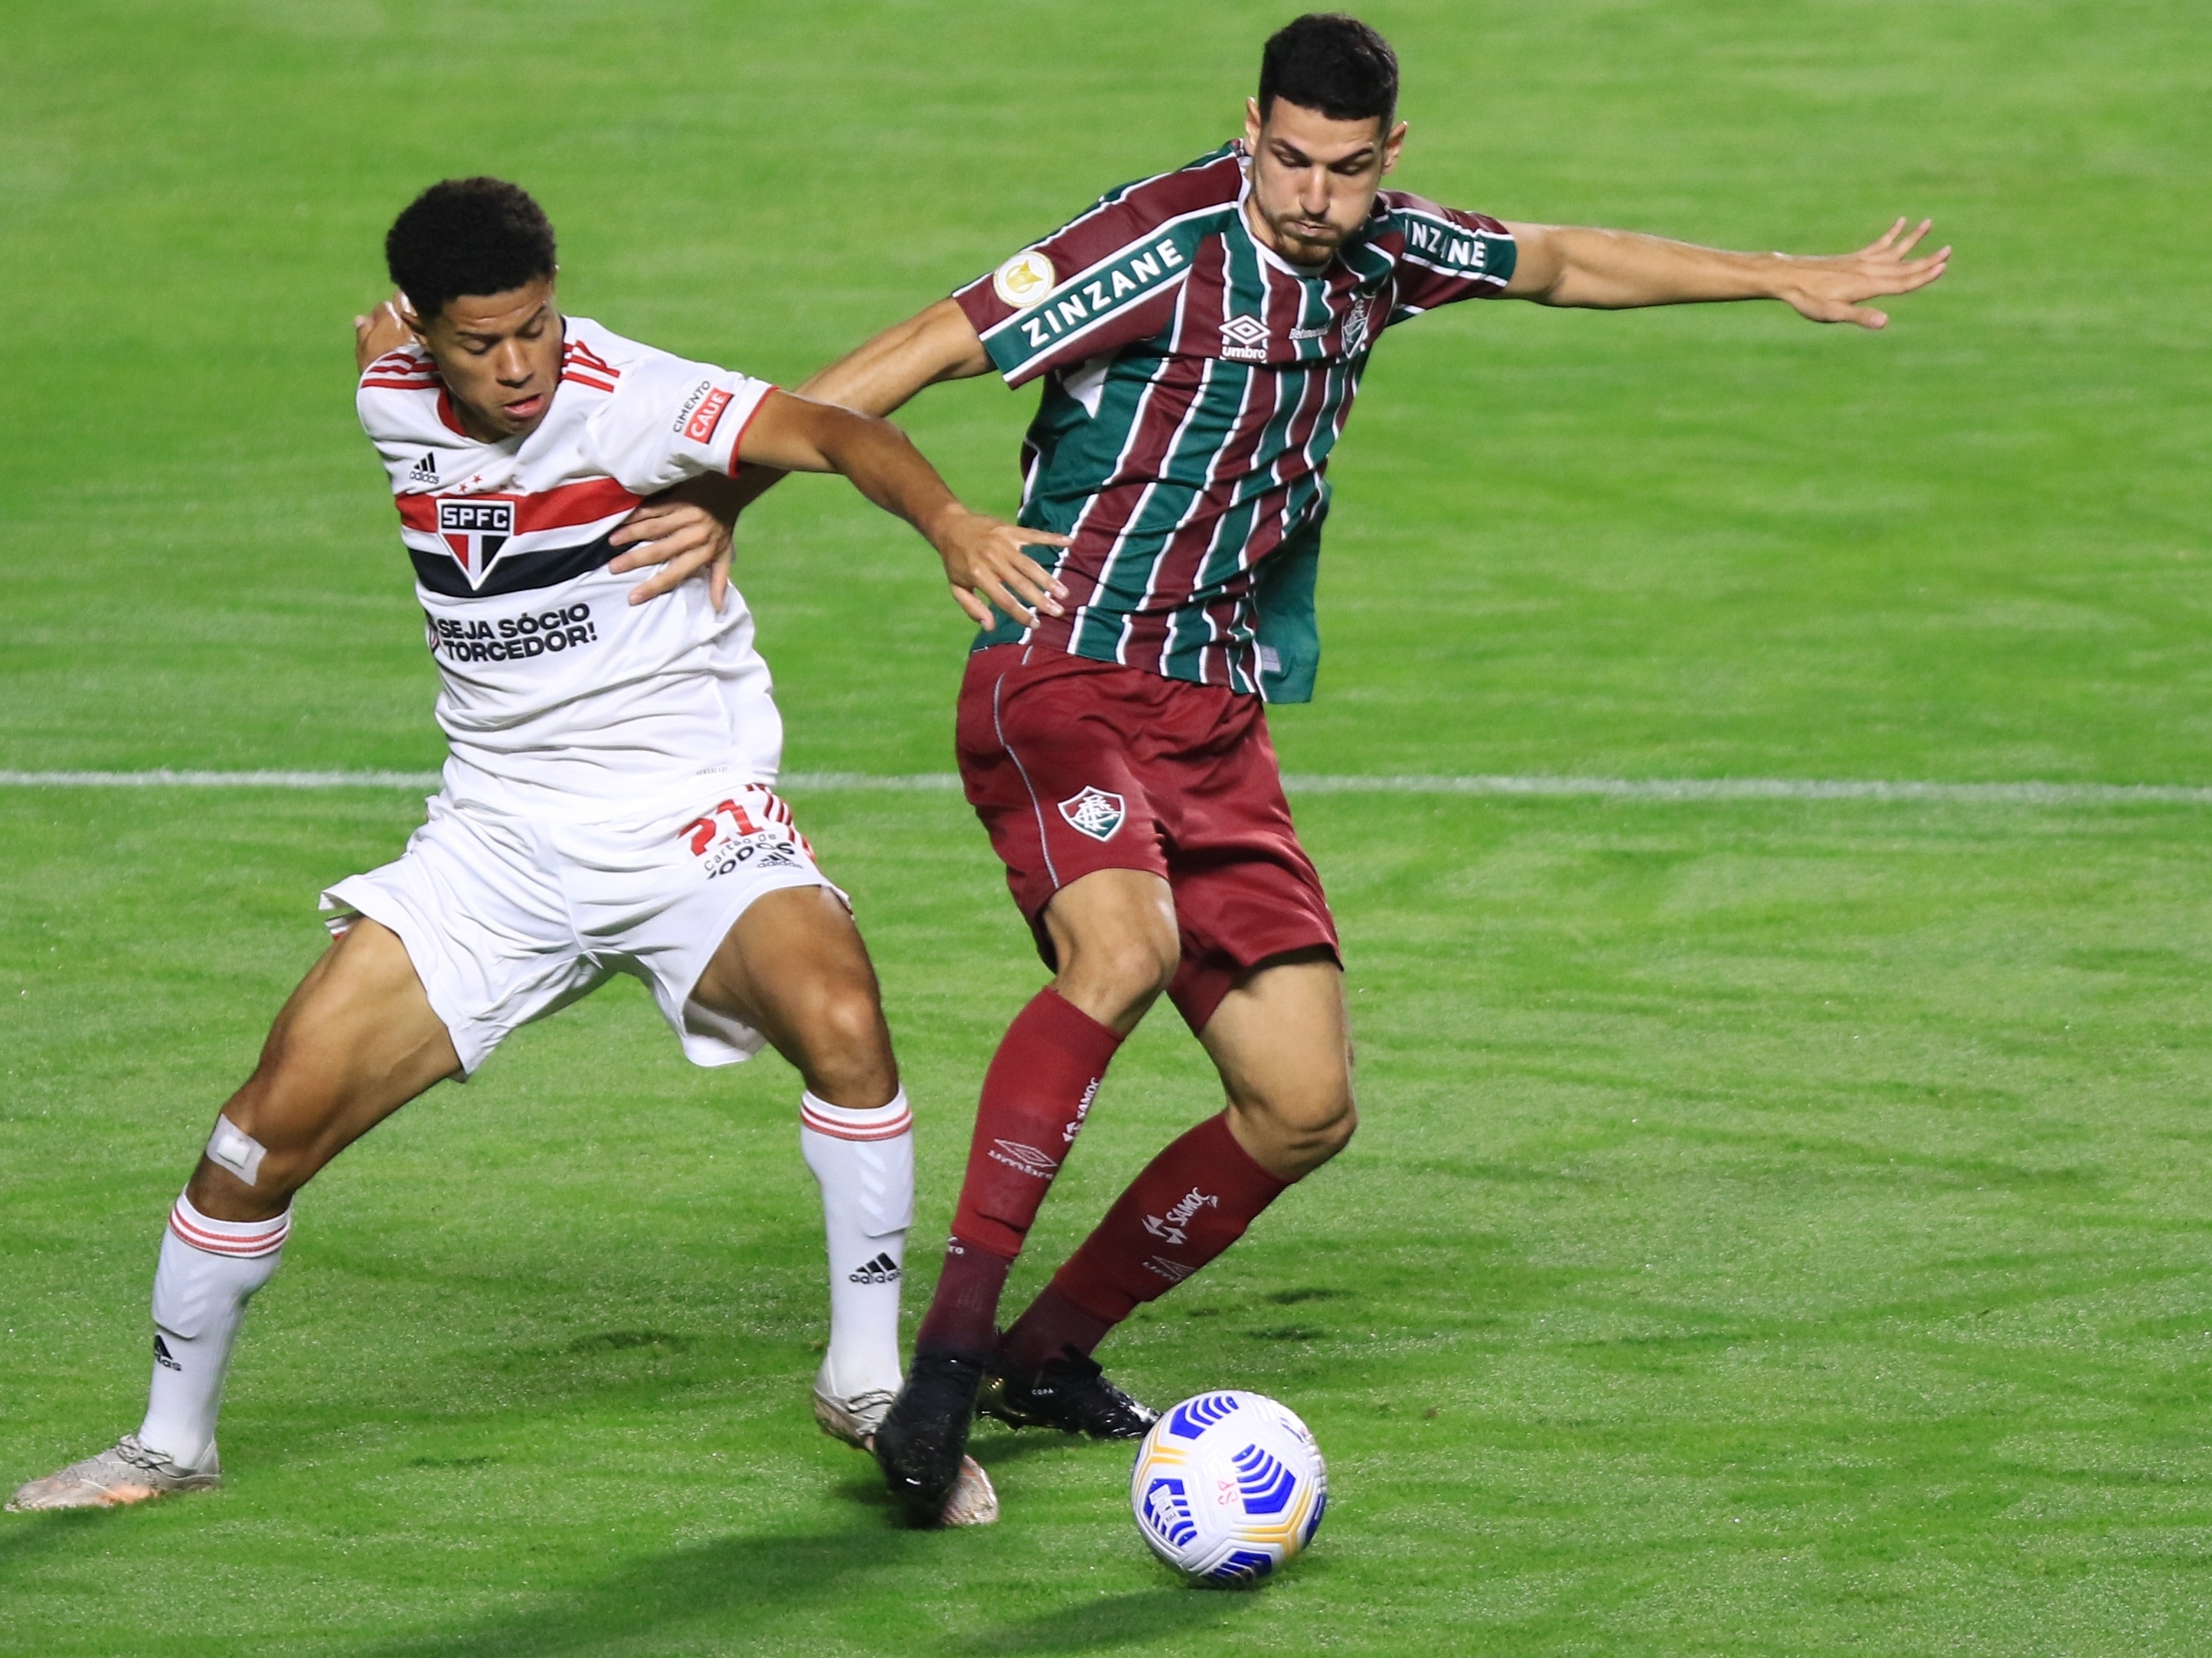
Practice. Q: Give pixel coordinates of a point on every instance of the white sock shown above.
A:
(863, 1161)
(209, 1269)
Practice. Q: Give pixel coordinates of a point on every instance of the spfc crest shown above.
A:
(1094, 812)
(474, 528)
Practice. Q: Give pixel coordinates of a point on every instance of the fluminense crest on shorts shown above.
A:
(1094, 812)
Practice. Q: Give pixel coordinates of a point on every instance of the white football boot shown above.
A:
(127, 1472)
(973, 1501)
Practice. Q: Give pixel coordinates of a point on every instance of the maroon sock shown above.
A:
(963, 1311)
(1053, 1323)
(1192, 1201)
(1036, 1094)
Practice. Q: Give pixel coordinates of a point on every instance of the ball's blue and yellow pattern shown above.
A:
(1227, 1486)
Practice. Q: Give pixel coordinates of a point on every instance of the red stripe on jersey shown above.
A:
(429, 384)
(580, 378)
(575, 355)
(551, 509)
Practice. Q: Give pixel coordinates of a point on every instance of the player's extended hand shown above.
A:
(682, 537)
(379, 331)
(986, 567)
(1832, 289)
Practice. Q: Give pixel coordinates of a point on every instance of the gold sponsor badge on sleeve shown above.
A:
(1024, 279)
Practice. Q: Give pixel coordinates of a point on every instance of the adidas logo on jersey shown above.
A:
(882, 1270)
(425, 470)
(162, 1354)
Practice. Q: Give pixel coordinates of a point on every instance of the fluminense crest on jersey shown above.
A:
(1094, 812)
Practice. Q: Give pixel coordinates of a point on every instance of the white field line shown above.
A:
(1616, 788)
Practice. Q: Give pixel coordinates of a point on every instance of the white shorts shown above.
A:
(508, 917)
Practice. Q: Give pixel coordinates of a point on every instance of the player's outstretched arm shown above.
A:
(939, 344)
(1617, 269)
(983, 556)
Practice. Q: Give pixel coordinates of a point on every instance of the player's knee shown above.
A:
(1303, 1127)
(1320, 1123)
(846, 1050)
(1130, 966)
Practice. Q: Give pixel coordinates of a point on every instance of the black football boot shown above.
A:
(1069, 1393)
(924, 1436)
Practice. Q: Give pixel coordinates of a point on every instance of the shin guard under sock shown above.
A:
(1191, 1202)
(1035, 1096)
(209, 1270)
(864, 1162)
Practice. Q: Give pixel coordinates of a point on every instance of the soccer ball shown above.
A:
(1227, 1486)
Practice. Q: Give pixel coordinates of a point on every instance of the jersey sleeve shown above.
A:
(1448, 254)
(668, 420)
(1102, 281)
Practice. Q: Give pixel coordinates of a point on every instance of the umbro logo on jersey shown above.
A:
(1244, 338)
(1094, 812)
(425, 470)
(1173, 1271)
(474, 528)
(1024, 1159)
(882, 1270)
(162, 1354)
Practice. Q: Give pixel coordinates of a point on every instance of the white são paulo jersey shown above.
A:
(551, 678)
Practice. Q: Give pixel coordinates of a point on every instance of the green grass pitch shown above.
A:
(1778, 1227)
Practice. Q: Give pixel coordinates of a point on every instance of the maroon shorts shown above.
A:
(1076, 766)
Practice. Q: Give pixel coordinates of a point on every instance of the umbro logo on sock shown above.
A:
(425, 472)
(162, 1353)
(882, 1270)
(1025, 1159)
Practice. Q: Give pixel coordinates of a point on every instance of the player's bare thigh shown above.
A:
(793, 967)
(355, 1042)
(1282, 1042)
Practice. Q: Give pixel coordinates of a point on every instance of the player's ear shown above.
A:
(1393, 142)
(1252, 124)
(406, 309)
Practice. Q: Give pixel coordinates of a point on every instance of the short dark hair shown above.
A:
(467, 236)
(1331, 62)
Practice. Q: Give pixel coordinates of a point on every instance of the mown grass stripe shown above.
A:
(1623, 788)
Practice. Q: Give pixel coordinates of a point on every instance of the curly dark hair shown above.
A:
(1335, 63)
(467, 236)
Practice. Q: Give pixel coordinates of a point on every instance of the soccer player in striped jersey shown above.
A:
(1199, 337)
(608, 805)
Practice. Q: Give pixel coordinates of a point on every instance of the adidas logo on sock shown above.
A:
(162, 1353)
(882, 1270)
(425, 470)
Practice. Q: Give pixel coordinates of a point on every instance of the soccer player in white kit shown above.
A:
(608, 805)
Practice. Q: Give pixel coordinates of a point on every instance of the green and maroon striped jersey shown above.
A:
(1195, 383)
